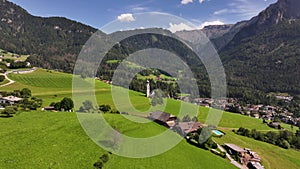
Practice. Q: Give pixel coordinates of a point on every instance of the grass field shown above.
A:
(183, 155)
(56, 140)
(45, 140)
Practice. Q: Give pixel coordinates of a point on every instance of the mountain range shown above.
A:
(260, 55)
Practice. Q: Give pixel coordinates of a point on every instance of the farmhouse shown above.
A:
(163, 118)
(246, 156)
(10, 100)
(188, 127)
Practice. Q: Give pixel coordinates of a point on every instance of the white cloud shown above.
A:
(127, 17)
(222, 11)
(139, 9)
(184, 2)
(217, 22)
(182, 26)
(179, 27)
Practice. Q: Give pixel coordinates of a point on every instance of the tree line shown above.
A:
(284, 139)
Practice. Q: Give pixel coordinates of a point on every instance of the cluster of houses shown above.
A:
(205, 102)
(270, 113)
(170, 121)
(245, 156)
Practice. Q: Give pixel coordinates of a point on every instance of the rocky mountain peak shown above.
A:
(289, 8)
(282, 10)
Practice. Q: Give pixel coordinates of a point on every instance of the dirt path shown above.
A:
(10, 81)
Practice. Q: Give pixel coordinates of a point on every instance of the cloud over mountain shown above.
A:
(127, 17)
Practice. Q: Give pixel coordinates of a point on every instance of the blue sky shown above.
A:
(98, 13)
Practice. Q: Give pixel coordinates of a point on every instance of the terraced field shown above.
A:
(40, 78)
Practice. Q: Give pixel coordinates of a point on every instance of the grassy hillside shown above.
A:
(45, 140)
(54, 137)
(56, 140)
(185, 154)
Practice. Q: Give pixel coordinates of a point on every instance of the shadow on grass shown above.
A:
(6, 117)
(141, 94)
(197, 145)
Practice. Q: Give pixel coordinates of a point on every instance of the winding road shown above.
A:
(10, 81)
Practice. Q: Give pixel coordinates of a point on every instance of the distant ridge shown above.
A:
(260, 55)
(264, 53)
(53, 42)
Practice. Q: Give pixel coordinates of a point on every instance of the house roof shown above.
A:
(160, 116)
(12, 98)
(188, 127)
(235, 147)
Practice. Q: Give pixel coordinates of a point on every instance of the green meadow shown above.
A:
(56, 140)
(45, 140)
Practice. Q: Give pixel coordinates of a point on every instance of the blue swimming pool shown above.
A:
(218, 133)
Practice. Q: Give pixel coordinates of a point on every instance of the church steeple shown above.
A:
(148, 89)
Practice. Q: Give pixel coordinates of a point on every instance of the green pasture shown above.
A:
(56, 140)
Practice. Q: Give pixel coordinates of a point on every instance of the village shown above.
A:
(271, 115)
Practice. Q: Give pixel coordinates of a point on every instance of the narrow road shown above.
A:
(231, 159)
(10, 81)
